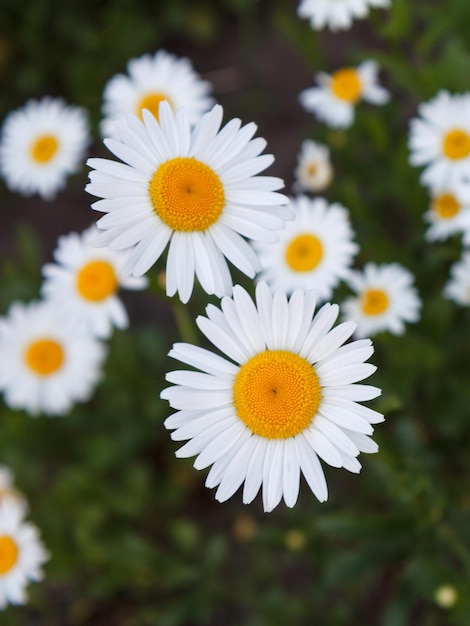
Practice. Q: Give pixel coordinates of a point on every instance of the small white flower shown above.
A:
(449, 212)
(314, 171)
(46, 362)
(336, 96)
(315, 251)
(458, 286)
(41, 144)
(195, 190)
(336, 14)
(22, 554)
(8, 489)
(283, 395)
(84, 281)
(386, 299)
(440, 139)
(150, 80)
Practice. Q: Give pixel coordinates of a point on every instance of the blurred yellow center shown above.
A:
(44, 148)
(304, 253)
(346, 84)
(456, 144)
(96, 281)
(151, 102)
(276, 394)
(312, 169)
(44, 356)
(374, 301)
(8, 554)
(446, 206)
(187, 194)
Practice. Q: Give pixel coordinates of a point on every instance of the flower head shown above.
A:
(336, 14)
(41, 144)
(8, 489)
(385, 299)
(150, 80)
(336, 96)
(314, 171)
(196, 190)
(440, 139)
(46, 362)
(84, 281)
(283, 395)
(449, 212)
(21, 554)
(457, 287)
(315, 251)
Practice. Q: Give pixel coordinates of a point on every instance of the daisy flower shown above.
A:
(8, 489)
(41, 144)
(336, 14)
(46, 362)
(194, 189)
(21, 554)
(449, 212)
(336, 96)
(84, 281)
(315, 251)
(440, 139)
(283, 396)
(458, 286)
(150, 80)
(386, 299)
(314, 171)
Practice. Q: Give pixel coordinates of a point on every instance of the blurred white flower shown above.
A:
(335, 98)
(315, 251)
(41, 144)
(385, 300)
(149, 81)
(47, 362)
(22, 554)
(336, 14)
(457, 287)
(440, 139)
(84, 281)
(314, 171)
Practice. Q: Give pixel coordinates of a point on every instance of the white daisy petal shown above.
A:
(269, 418)
(177, 186)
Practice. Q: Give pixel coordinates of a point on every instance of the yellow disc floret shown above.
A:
(44, 148)
(304, 253)
(187, 194)
(446, 206)
(346, 85)
(151, 102)
(44, 356)
(456, 144)
(374, 301)
(276, 394)
(96, 281)
(8, 554)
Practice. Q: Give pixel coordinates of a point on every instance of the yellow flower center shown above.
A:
(96, 281)
(44, 356)
(44, 148)
(456, 144)
(304, 253)
(374, 301)
(276, 394)
(151, 102)
(312, 169)
(346, 85)
(8, 554)
(446, 206)
(187, 194)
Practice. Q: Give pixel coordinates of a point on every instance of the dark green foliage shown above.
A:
(134, 536)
